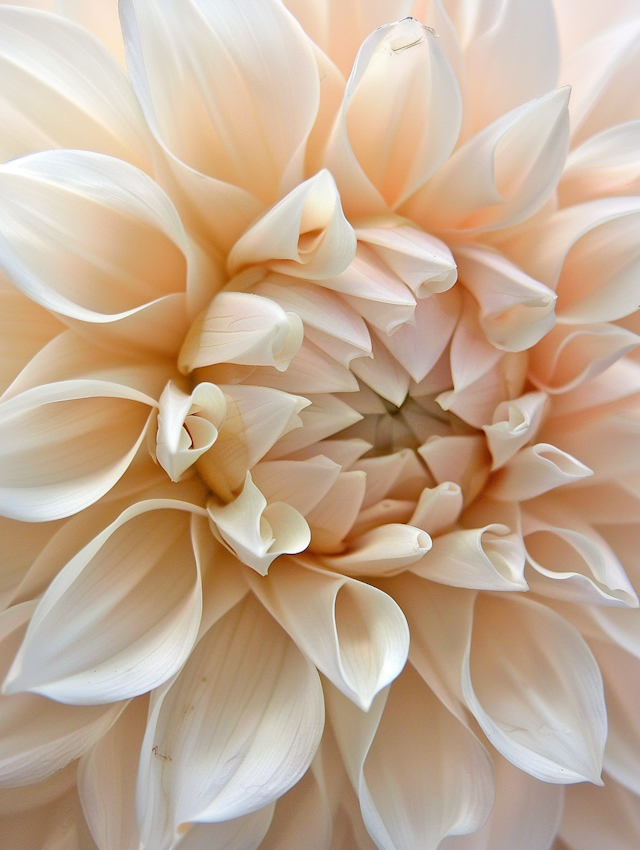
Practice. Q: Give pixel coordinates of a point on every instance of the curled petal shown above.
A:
(242, 328)
(573, 354)
(421, 261)
(354, 633)
(244, 833)
(256, 532)
(438, 507)
(304, 235)
(489, 558)
(515, 423)
(383, 551)
(515, 310)
(501, 176)
(256, 722)
(187, 425)
(534, 471)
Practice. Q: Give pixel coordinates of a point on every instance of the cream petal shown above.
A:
(619, 381)
(325, 416)
(99, 18)
(121, 617)
(256, 723)
(320, 309)
(511, 55)
(22, 798)
(433, 780)
(538, 696)
(598, 817)
(620, 673)
(516, 311)
(472, 355)
(257, 532)
(25, 328)
(249, 88)
(500, 176)
(58, 825)
(304, 235)
(300, 483)
(354, 633)
(245, 833)
(606, 164)
(573, 354)
(39, 736)
(515, 423)
(383, 551)
(526, 814)
(599, 72)
(397, 475)
(107, 780)
(344, 452)
(589, 254)
(239, 327)
(421, 261)
(302, 814)
(187, 425)
(368, 278)
(464, 460)
(401, 88)
(63, 90)
(489, 558)
(51, 466)
(571, 561)
(535, 470)
(334, 516)
(437, 508)
(62, 214)
(310, 371)
(419, 346)
(339, 350)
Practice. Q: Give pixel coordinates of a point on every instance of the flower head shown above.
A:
(320, 432)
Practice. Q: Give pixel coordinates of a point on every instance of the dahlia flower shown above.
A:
(320, 425)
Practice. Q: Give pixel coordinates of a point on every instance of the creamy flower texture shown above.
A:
(320, 433)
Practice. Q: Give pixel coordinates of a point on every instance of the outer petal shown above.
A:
(39, 736)
(415, 788)
(534, 471)
(121, 617)
(255, 725)
(354, 633)
(550, 718)
(500, 176)
(95, 240)
(63, 90)
(244, 833)
(515, 423)
(107, 780)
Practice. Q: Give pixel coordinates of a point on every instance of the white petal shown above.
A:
(121, 617)
(515, 310)
(383, 551)
(256, 723)
(354, 633)
(549, 718)
(535, 470)
(489, 558)
(99, 18)
(61, 453)
(500, 176)
(107, 780)
(256, 532)
(433, 780)
(304, 235)
(423, 262)
(187, 425)
(39, 736)
(63, 90)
